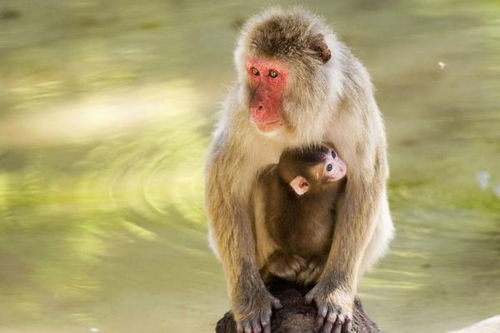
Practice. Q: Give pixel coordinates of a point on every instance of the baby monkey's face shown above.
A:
(332, 169)
(316, 168)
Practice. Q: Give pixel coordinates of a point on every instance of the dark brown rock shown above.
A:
(296, 316)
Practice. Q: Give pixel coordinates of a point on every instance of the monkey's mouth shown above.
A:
(270, 126)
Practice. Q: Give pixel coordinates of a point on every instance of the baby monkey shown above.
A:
(297, 201)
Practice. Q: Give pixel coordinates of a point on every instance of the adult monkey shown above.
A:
(297, 85)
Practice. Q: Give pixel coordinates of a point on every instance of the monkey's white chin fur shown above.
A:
(270, 134)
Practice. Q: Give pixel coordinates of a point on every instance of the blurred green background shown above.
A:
(106, 110)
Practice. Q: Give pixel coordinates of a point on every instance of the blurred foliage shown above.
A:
(106, 109)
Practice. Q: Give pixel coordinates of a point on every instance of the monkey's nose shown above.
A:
(259, 110)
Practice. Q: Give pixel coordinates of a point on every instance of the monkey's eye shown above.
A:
(273, 73)
(255, 71)
(329, 167)
(334, 154)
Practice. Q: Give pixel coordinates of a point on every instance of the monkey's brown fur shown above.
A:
(323, 102)
(298, 229)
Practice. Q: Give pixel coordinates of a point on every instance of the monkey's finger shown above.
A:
(312, 277)
(302, 261)
(322, 310)
(265, 318)
(332, 317)
(307, 277)
(347, 325)
(247, 327)
(328, 327)
(339, 323)
(300, 277)
(319, 322)
(277, 304)
(289, 274)
(256, 328)
(320, 318)
(239, 329)
(299, 263)
(309, 298)
(337, 327)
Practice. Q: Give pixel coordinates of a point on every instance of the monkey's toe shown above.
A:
(256, 326)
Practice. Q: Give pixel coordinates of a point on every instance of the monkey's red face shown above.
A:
(267, 79)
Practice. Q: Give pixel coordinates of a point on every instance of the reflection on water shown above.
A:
(106, 112)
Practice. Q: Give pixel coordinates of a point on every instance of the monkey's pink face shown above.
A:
(267, 79)
(335, 168)
(331, 169)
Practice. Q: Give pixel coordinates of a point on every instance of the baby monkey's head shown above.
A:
(310, 169)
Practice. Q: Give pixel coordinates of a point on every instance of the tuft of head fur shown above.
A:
(298, 161)
(316, 58)
(311, 154)
(287, 34)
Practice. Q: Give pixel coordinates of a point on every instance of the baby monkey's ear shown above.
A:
(300, 185)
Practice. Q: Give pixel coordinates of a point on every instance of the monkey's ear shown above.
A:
(320, 49)
(300, 185)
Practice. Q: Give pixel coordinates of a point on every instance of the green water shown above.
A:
(106, 109)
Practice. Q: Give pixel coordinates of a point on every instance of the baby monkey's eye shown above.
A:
(334, 154)
(273, 73)
(329, 167)
(255, 71)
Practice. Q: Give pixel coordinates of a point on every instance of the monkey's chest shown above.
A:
(307, 236)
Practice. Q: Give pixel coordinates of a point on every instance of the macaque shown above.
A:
(297, 222)
(297, 85)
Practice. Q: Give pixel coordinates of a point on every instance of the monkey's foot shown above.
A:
(334, 308)
(296, 316)
(311, 272)
(286, 266)
(254, 312)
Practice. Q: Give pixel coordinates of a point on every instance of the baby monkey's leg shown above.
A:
(285, 266)
(311, 271)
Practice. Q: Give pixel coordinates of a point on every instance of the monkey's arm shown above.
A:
(336, 288)
(231, 228)
(357, 210)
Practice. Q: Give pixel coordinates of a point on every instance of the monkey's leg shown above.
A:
(379, 243)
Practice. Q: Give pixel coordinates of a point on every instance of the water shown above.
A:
(106, 110)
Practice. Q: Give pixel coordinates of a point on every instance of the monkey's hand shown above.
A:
(334, 308)
(253, 311)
